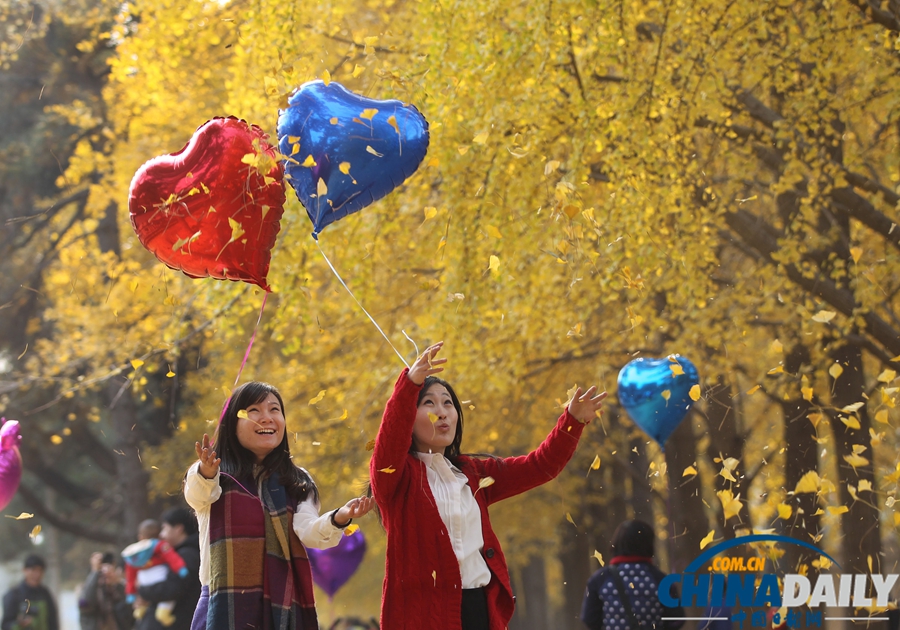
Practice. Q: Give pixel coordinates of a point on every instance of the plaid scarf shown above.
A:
(260, 576)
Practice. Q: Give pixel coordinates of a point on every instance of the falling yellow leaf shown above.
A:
(776, 370)
(856, 460)
(318, 397)
(677, 370)
(784, 511)
(808, 483)
(388, 470)
(776, 347)
(887, 376)
(856, 253)
(136, 363)
(430, 212)
(694, 393)
(493, 231)
(690, 470)
(170, 374)
(368, 113)
(835, 371)
(815, 418)
(882, 416)
(237, 231)
(753, 390)
(56, 439)
(34, 532)
(840, 509)
(727, 475)
(484, 482)
(569, 518)
(666, 394)
(707, 539)
(551, 166)
(344, 167)
(242, 413)
(463, 149)
(434, 577)
(494, 265)
(432, 417)
(351, 529)
(823, 317)
(853, 407)
(731, 505)
(807, 393)
(865, 485)
(595, 465)
(480, 138)
(598, 556)
(20, 517)
(370, 445)
(851, 422)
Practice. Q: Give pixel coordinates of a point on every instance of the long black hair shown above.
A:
(452, 452)
(238, 462)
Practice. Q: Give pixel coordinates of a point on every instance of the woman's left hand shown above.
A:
(354, 509)
(585, 405)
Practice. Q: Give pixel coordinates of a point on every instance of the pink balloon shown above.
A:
(10, 460)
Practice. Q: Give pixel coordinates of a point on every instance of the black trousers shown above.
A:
(474, 609)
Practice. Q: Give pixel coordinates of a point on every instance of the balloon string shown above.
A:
(252, 338)
(372, 319)
(246, 355)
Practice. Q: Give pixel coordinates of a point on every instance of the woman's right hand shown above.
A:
(426, 364)
(209, 463)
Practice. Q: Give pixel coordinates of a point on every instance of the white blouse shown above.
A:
(460, 513)
(312, 530)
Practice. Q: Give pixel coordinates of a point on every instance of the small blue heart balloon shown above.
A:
(346, 151)
(642, 386)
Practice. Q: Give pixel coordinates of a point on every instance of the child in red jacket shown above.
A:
(445, 569)
(149, 561)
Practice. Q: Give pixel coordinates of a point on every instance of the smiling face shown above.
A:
(263, 428)
(436, 420)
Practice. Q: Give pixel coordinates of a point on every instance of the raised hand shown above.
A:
(354, 508)
(585, 405)
(209, 463)
(426, 364)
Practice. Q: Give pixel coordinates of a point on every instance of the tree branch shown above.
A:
(91, 532)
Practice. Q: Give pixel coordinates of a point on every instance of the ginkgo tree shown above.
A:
(603, 181)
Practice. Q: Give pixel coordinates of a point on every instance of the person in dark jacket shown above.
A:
(102, 604)
(30, 606)
(630, 569)
(179, 529)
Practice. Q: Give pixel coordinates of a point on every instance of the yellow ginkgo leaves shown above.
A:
(318, 397)
(20, 517)
(707, 539)
(731, 504)
(598, 556)
(823, 317)
(351, 529)
(494, 265)
(784, 511)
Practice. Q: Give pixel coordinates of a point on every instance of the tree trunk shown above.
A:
(861, 541)
(688, 523)
(532, 604)
(132, 478)
(800, 457)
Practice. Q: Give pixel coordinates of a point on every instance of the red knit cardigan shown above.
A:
(422, 584)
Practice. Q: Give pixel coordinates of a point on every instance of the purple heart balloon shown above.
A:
(331, 568)
(10, 460)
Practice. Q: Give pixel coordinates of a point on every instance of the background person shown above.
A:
(29, 604)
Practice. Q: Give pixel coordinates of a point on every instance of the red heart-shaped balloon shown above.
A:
(212, 209)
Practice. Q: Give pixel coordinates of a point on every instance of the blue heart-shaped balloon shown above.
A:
(642, 386)
(346, 151)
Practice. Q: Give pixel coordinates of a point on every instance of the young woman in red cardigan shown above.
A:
(445, 569)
